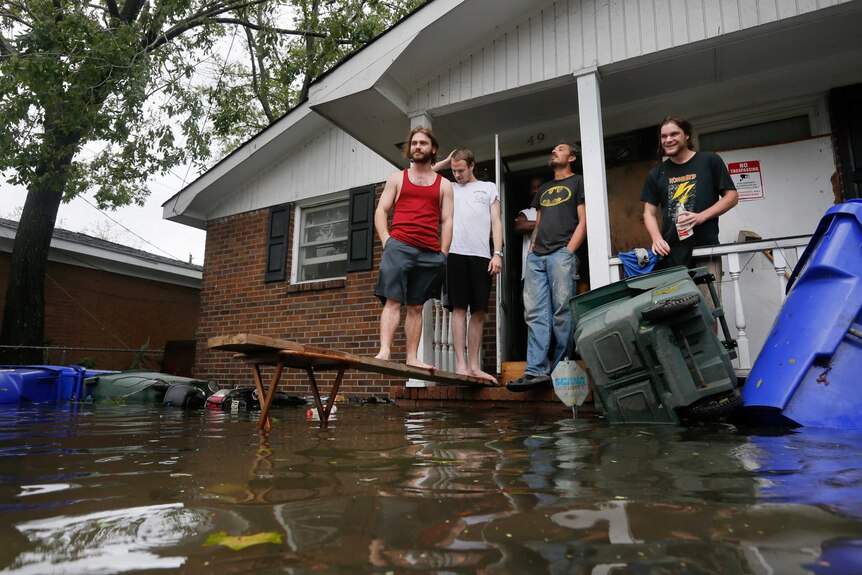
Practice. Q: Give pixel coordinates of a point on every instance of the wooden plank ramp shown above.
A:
(257, 350)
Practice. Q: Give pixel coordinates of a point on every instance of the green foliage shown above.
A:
(73, 73)
(88, 362)
(141, 359)
(273, 71)
(124, 81)
(100, 95)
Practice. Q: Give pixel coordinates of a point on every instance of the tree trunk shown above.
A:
(311, 70)
(24, 311)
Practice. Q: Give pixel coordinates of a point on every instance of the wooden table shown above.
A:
(257, 350)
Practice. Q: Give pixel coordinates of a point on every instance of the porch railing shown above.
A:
(437, 345)
(755, 272)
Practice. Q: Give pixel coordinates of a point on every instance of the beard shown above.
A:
(674, 151)
(557, 164)
(419, 157)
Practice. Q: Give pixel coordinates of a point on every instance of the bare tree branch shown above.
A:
(113, 10)
(257, 62)
(6, 49)
(131, 10)
(283, 31)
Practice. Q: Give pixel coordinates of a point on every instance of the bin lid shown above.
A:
(852, 208)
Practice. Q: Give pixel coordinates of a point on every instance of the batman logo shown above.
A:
(555, 196)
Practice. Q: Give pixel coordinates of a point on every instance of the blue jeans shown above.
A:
(549, 284)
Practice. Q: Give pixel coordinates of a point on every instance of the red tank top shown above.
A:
(416, 220)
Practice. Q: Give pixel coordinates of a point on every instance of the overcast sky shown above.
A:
(141, 227)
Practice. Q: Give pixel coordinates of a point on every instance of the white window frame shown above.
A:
(318, 202)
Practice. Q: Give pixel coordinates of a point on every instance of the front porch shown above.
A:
(752, 288)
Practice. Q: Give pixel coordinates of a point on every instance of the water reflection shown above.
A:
(107, 542)
(810, 466)
(444, 491)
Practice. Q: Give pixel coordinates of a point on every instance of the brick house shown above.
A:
(104, 302)
(291, 251)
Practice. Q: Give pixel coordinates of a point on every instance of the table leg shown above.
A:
(335, 385)
(264, 421)
(258, 384)
(324, 411)
(318, 404)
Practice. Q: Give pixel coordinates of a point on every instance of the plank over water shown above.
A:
(267, 350)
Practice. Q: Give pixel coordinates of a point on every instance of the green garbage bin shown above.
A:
(649, 345)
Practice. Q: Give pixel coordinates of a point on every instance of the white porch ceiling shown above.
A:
(799, 58)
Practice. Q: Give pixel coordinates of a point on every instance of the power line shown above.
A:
(128, 230)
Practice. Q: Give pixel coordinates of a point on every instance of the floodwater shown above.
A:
(110, 489)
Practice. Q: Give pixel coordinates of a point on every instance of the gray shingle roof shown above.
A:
(84, 239)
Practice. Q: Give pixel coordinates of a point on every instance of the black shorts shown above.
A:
(409, 275)
(468, 283)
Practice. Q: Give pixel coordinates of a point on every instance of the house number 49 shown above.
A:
(537, 139)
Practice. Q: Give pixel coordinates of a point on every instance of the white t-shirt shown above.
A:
(471, 226)
(531, 215)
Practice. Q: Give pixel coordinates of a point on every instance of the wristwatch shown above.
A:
(499, 254)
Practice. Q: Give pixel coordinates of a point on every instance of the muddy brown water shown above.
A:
(132, 489)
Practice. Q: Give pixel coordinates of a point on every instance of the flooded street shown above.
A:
(110, 488)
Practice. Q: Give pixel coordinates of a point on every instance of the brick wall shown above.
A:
(86, 308)
(339, 314)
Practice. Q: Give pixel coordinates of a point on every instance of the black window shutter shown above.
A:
(276, 254)
(360, 238)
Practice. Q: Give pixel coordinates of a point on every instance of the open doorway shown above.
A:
(628, 157)
(518, 197)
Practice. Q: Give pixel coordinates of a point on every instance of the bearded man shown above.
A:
(552, 269)
(413, 265)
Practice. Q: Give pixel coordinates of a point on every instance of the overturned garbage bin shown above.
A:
(649, 345)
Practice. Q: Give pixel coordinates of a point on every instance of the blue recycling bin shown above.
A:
(40, 383)
(808, 371)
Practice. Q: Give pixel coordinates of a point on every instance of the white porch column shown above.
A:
(421, 119)
(595, 180)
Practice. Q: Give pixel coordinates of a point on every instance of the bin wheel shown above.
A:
(670, 307)
(715, 407)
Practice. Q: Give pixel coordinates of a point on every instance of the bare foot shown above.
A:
(382, 355)
(482, 375)
(420, 365)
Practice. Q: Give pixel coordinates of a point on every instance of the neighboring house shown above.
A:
(105, 302)
(773, 86)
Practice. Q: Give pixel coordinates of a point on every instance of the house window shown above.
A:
(322, 252)
(763, 134)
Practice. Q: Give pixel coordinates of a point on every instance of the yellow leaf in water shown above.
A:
(242, 541)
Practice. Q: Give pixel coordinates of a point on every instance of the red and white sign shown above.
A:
(747, 179)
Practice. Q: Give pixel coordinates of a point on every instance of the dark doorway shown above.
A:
(845, 109)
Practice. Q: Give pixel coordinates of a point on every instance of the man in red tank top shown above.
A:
(413, 266)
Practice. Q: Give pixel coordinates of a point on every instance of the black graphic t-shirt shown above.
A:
(558, 201)
(697, 184)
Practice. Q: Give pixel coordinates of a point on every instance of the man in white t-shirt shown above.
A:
(525, 223)
(470, 264)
